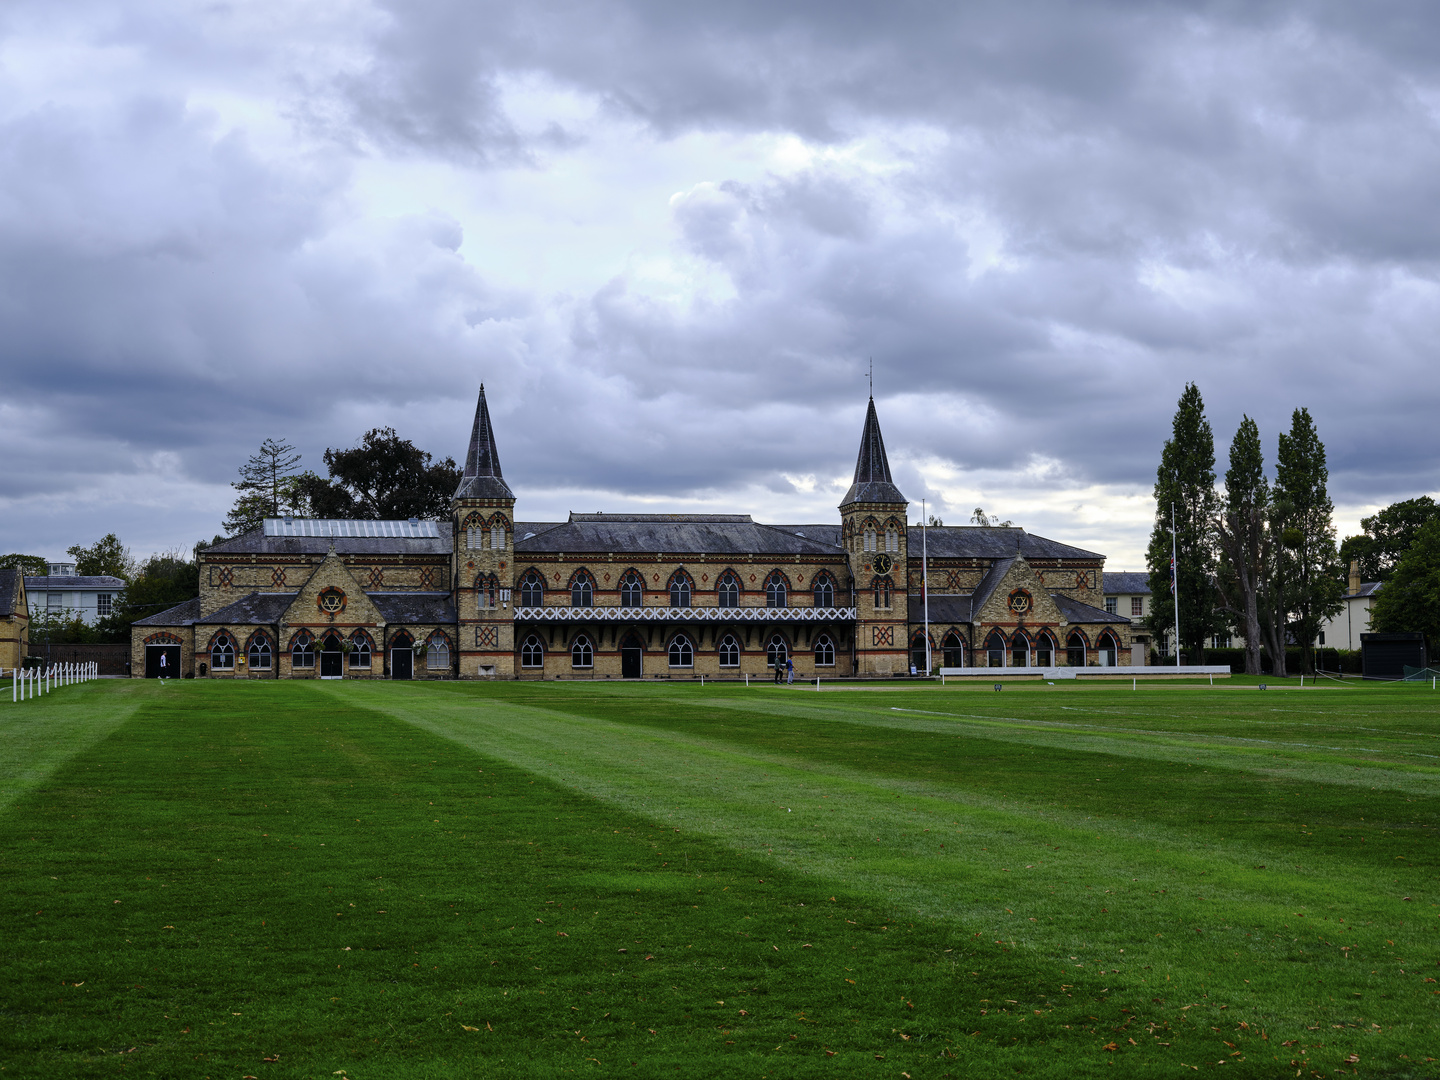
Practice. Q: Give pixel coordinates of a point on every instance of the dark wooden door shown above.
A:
(162, 661)
(630, 663)
(330, 665)
(402, 664)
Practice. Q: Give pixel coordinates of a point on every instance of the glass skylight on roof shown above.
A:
(417, 530)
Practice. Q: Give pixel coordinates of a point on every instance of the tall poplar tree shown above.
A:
(1308, 564)
(1186, 480)
(1243, 537)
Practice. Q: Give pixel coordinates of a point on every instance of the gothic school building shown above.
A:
(630, 596)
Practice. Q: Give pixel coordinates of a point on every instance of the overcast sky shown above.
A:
(669, 238)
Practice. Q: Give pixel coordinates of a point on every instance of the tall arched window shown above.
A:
(1045, 650)
(728, 590)
(632, 590)
(581, 654)
(258, 655)
(680, 586)
(1019, 651)
(824, 651)
(532, 652)
(729, 651)
(302, 650)
(824, 587)
(777, 590)
(777, 651)
(881, 587)
(682, 653)
(954, 649)
(487, 591)
(995, 649)
(582, 589)
(497, 533)
(532, 589)
(1075, 649)
(1109, 650)
(892, 538)
(361, 648)
(222, 652)
(437, 652)
(869, 537)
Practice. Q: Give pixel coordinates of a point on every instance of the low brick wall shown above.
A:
(111, 658)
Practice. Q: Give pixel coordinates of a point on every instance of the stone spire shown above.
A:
(482, 479)
(872, 468)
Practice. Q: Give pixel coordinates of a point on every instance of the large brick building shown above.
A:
(610, 596)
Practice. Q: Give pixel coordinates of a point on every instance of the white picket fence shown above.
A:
(26, 684)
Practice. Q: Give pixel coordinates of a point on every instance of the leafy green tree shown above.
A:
(1410, 600)
(1308, 565)
(386, 478)
(106, 556)
(30, 565)
(1186, 481)
(161, 582)
(1243, 537)
(1386, 536)
(267, 486)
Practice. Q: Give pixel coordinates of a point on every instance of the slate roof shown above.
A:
(255, 542)
(1127, 582)
(1367, 588)
(186, 614)
(74, 583)
(1076, 612)
(824, 534)
(873, 482)
(711, 534)
(990, 582)
(257, 609)
(10, 593)
(481, 478)
(414, 607)
(987, 542)
(944, 608)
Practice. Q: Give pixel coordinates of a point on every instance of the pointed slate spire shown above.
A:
(872, 468)
(482, 479)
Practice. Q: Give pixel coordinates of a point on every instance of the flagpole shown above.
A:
(925, 583)
(1175, 583)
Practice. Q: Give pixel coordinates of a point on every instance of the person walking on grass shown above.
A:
(789, 672)
(779, 668)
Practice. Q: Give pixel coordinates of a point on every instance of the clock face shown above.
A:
(883, 563)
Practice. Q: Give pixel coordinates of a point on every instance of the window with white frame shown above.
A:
(361, 649)
(824, 591)
(582, 655)
(892, 539)
(532, 652)
(682, 653)
(222, 653)
(302, 650)
(729, 651)
(632, 590)
(259, 654)
(1137, 606)
(497, 537)
(437, 654)
(824, 651)
(1110, 604)
(727, 590)
(103, 602)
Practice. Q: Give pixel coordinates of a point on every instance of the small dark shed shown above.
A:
(1386, 656)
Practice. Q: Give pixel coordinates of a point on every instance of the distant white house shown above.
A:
(1343, 630)
(64, 594)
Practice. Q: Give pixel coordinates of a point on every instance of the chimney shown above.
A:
(1354, 577)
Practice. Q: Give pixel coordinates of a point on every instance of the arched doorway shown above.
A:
(632, 655)
(332, 655)
(402, 656)
(1019, 650)
(954, 650)
(995, 649)
(1075, 649)
(1108, 652)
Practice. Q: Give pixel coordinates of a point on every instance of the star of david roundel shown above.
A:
(1021, 602)
(331, 599)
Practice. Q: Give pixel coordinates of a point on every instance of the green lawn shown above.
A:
(406, 880)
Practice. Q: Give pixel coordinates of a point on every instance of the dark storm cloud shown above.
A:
(1039, 219)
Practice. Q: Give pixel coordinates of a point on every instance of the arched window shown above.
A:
(331, 643)
(1075, 649)
(1109, 650)
(776, 651)
(361, 648)
(487, 591)
(1045, 650)
(824, 586)
(532, 652)
(222, 652)
(437, 652)
(532, 589)
(919, 654)
(497, 534)
(881, 587)
(632, 590)
(581, 654)
(680, 586)
(728, 590)
(869, 537)
(777, 590)
(729, 651)
(682, 653)
(954, 649)
(892, 538)
(995, 649)
(824, 651)
(582, 589)
(258, 655)
(1019, 651)
(302, 650)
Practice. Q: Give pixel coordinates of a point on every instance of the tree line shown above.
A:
(1257, 555)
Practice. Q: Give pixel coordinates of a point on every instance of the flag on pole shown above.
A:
(1172, 575)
